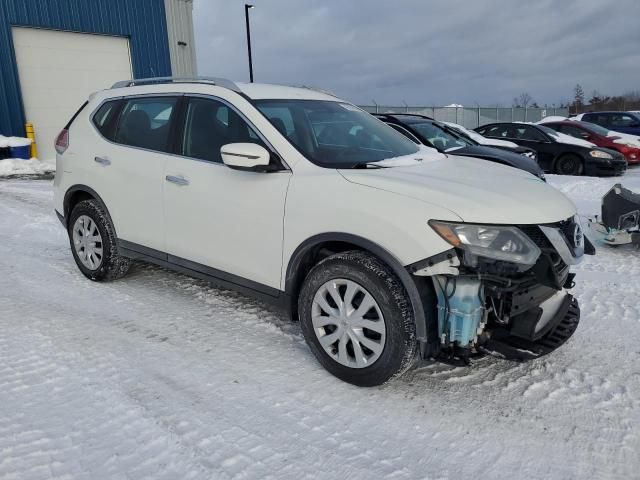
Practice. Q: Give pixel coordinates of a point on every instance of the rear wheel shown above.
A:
(569, 164)
(357, 319)
(93, 243)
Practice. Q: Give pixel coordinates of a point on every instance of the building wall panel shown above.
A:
(143, 22)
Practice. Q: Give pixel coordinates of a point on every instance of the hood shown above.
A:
(504, 156)
(476, 190)
(624, 138)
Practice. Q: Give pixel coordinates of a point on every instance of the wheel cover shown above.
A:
(348, 323)
(87, 242)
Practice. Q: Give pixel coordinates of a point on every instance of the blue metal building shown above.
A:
(156, 31)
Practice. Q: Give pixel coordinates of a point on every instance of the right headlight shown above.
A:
(600, 154)
(497, 242)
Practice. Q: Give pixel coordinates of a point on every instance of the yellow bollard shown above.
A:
(32, 135)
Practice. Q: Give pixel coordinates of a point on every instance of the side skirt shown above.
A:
(218, 278)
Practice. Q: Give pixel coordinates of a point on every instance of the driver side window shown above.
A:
(210, 124)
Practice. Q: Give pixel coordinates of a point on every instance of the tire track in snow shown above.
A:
(161, 375)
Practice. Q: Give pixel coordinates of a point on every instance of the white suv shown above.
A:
(385, 251)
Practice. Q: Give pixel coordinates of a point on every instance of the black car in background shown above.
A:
(559, 153)
(426, 131)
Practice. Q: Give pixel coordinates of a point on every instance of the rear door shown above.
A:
(223, 222)
(128, 168)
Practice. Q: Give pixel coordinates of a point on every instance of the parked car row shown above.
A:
(385, 250)
(623, 122)
(424, 130)
(557, 152)
(600, 136)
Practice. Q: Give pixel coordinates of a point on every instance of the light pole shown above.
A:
(246, 17)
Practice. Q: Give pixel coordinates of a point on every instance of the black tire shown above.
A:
(400, 344)
(111, 266)
(569, 164)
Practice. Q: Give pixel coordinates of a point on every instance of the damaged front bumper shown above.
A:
(486, 306)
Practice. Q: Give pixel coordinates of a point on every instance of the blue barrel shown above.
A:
(23, 153)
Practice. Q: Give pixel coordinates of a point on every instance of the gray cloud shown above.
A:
(427, 51)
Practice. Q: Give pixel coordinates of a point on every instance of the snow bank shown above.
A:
(14, 141)
(15, 166)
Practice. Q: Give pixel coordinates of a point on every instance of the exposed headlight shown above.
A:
(600, 154)
(509, 244)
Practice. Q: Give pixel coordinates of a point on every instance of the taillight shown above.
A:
(62, 141)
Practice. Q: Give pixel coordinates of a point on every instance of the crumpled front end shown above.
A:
(504, 290)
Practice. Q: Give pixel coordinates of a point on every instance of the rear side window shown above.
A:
(528, 133)
(573, 131)
(103, 118)
(146, 122)
(499, 131)
(209, 124)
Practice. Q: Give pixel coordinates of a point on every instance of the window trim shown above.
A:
(180, 110)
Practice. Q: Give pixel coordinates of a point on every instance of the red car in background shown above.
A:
(599, 136)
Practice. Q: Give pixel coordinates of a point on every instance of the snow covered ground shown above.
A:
(162, 376)
(17, 167)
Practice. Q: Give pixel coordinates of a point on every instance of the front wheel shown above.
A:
(357, 319)
(569, 165)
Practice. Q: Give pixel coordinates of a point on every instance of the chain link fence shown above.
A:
(472, 117)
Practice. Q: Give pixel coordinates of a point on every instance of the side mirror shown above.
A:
(246, 156)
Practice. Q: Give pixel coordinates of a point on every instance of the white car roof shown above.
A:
(255, 91)
(261, 91)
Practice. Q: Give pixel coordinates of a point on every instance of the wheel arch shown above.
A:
(313, 249)
(77, 193)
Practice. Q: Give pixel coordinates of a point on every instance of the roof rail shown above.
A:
(220, 82)
(316, 89)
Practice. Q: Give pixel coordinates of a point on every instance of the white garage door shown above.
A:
(58, 71)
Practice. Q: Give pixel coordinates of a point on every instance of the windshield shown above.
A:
(334, 134)
(549, 131)
(440, 137)
(596, 128)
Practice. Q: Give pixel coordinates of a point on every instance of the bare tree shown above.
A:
(523, 100)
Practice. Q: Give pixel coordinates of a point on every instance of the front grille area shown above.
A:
(566, 227)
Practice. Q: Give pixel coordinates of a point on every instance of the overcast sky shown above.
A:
(427, 52)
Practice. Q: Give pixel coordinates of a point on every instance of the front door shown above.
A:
(221, 221)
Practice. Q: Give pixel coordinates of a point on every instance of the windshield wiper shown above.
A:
(367, 165)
